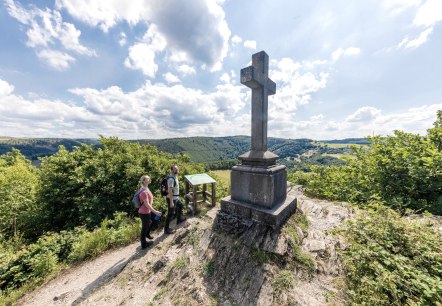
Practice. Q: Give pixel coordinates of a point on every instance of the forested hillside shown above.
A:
(33, 148)
(199, 149)
(211, 149)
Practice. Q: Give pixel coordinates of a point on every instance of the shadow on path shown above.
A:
(113, 271)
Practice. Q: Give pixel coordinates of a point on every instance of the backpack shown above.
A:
(136, 203)
(164, 190)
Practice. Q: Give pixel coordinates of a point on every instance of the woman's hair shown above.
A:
(142, 178)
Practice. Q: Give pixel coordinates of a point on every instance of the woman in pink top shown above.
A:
(146, 208)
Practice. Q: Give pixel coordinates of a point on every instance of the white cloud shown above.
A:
(429, 13)
(225, 78)
(186, 69)
(105, 14)
(370, 120)
(47, 30)
(197, 29)
(56, 59)
(341, 52)
(398, 6)
(123, 39)
(142, 54)
(5, 88)
(250, 44)
(364, 114)
(236, 40)
(171, 78)
(406, 43)
(142, 57)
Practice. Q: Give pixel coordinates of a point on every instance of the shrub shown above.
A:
(404, 171)
(391, 260)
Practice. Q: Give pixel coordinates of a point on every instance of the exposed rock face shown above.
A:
(202, 265)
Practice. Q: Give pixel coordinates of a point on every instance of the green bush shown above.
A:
(87, 185)
(21, 264)
(391, 260)
(404, 171)
(111, 233)
(18, 185)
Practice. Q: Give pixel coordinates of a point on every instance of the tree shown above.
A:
(18, 185)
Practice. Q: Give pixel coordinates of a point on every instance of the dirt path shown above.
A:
(131, 276)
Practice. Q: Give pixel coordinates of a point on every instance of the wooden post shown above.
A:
(186, 192)
(195, 197)
(213, 194)
(204, 192)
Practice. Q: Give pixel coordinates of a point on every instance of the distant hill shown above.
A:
(211, 149)
(33, 148)
(349, 141)
(200, 149)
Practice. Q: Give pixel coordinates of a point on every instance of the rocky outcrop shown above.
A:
(203, 265)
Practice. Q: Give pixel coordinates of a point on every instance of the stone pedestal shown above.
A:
(259, 186)
(259, 193)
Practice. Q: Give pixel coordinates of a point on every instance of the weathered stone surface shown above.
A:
(259, 186)
(256, 77)
(316, 246)
(251, 233)
(273, 217)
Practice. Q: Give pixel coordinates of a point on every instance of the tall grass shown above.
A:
(23, 268)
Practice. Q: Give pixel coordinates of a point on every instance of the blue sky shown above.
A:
(160, 69)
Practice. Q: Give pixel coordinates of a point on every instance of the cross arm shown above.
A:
(248, 77)
(271, 87)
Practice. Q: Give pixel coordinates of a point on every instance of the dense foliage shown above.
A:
(18, 187)
(21, 264)
(74, 206)
(86, 185)
(403, 171)
(392, 260)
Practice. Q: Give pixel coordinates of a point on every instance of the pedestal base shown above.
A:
(259, 186)
(273, 217)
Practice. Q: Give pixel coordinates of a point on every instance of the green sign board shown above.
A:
(199, 179)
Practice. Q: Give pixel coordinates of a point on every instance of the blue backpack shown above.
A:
(136, 203)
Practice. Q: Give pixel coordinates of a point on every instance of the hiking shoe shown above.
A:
(169, 231)
(180, 220)
(145, 246)
(149, 236)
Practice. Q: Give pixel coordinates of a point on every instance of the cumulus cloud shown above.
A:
(186, 69)
(250, 44)
(123, 39)
(338, 53)
(364, 114)
(171, 78)
(196, 31)
(370, 120)
(294, 84)
(142, 54)
(406, 43)
(46, 28)
(56, 59)
(48, 32)
(105, 14)
(429, 13)
(225, 78)
(236, 40)
(5, 88)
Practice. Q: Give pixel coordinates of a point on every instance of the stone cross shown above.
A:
(256, 77)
